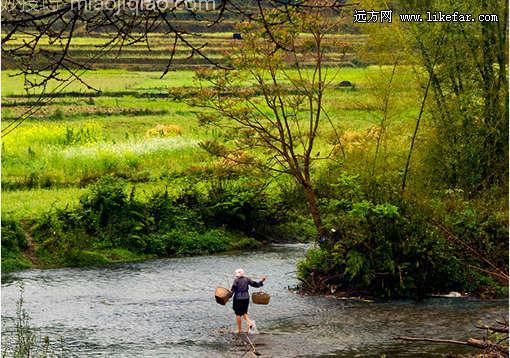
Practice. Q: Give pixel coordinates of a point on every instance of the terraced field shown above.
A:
(154, 54)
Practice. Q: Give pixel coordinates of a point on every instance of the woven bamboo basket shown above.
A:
(222, 295)
(260, 298)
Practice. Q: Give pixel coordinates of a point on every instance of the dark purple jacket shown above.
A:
(240, 287)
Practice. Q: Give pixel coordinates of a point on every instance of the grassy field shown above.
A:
(73, 140)
(135, 130)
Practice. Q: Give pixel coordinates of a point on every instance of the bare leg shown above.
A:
(248, 321)
(239, 324)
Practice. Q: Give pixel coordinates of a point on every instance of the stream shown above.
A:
(166, 308)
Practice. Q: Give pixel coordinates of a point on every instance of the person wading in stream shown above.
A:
(242, 297)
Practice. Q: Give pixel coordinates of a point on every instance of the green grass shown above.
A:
(73, 140)
(105, 80)
(28, 204)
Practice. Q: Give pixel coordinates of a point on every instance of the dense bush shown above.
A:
(482, 225)
(14, 242)
(109, 213)
(384, 248)
(379, 250)
(194, 222)
(13, 236)
(241, 206)
(187, 243)
(104, 202)
(398, 249)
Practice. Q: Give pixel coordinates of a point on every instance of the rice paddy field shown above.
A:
(134, 129)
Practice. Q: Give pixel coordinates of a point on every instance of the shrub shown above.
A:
(170, 213)
(182, 242)
(193, 223)
(477, 223)
(60, 231)
(80, 258)
(186, 243)
(109, 214)
(240, 206)
(104, 200)
(14, 241)
(316, 260)
(382, 250)
(13, 236)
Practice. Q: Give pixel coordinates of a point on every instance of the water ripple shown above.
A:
(163, 308)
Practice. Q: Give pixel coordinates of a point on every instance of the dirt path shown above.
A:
(30, 251)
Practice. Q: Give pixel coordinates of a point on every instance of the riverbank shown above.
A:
(20, 251)
(111, 226)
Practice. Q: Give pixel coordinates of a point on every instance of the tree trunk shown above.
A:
(311, 199)
(415, 133)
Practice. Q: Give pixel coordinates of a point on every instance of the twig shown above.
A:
(254, 350)
(471, 342)
(494, 329)
(434, 340)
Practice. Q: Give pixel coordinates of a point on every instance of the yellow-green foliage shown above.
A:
(57, 134)
(162, 130)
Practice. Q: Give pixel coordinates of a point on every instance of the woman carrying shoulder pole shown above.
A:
(242, 297)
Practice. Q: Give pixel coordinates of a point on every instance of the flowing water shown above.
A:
(166, 308)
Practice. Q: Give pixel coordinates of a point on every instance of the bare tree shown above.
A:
(272, 103)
